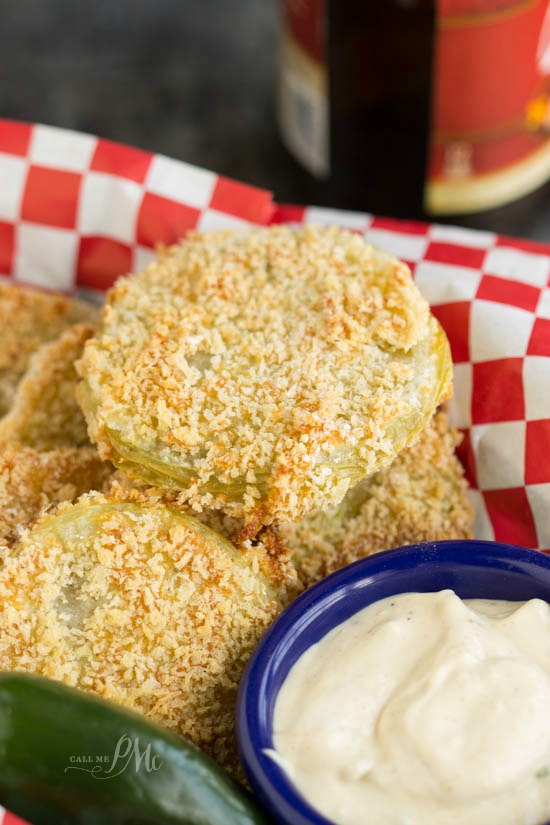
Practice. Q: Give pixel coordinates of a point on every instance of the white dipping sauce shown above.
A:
(423, 709)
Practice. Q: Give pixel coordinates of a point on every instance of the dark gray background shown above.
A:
(194, 79)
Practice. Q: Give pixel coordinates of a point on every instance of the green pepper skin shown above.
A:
(45, 726)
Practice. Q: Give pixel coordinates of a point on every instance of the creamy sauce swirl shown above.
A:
(423, 708)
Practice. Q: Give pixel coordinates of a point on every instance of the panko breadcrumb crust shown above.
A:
(421, 496)
(263, 372)
(142, 605)
(44, 413)
(28, 319)
(32, 481)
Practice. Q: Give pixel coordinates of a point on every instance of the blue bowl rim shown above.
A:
(268, 780)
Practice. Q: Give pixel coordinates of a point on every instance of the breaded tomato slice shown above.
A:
(263, 373)
(32, 481)
(44, 413)
(421, 496)
(28, 319)
(140, 604)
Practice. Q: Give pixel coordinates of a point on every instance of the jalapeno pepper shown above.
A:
(70, 758)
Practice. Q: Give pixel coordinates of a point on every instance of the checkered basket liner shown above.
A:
(9, 819)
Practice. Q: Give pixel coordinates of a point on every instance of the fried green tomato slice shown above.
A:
(263, 372)
(44, 413)
(140, 604)
(28, 319)
(32, 481)
(421, 496)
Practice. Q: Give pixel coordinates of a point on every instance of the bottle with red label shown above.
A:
(421, 108)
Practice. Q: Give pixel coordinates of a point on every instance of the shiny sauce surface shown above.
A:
(423, 708)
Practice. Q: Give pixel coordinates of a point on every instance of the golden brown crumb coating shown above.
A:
(275, 559)
(32, 481)
(44, 413)
(420, 497)
(28, 319)
(142, 605)
(263, 372)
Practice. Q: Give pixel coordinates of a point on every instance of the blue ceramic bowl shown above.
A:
(473, 569)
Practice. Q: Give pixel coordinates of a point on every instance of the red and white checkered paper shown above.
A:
(76, 211)
(9, 819)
